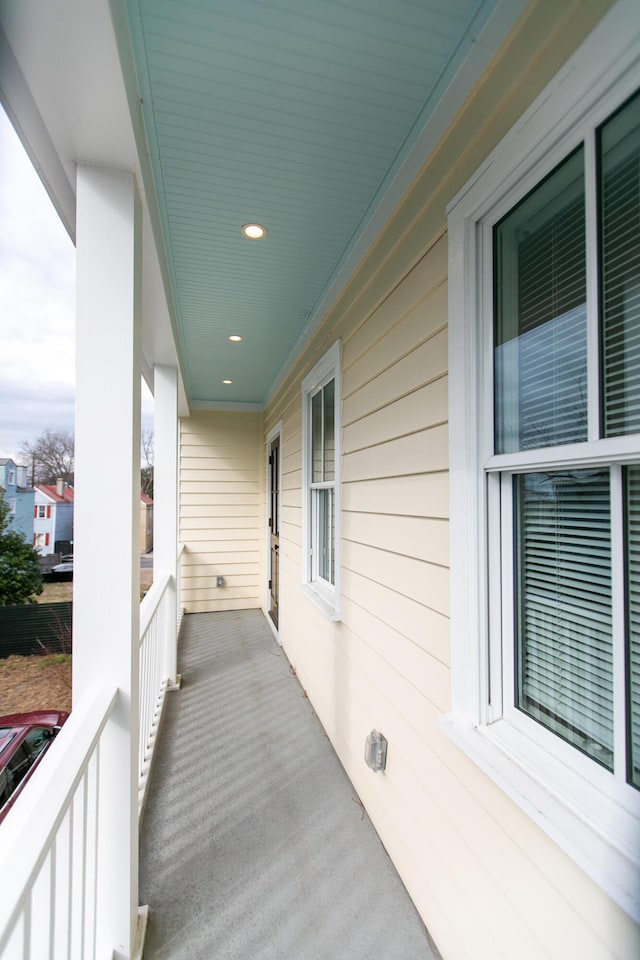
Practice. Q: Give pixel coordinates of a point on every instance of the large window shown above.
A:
(545, 432)
(320, 398)
(548, 398)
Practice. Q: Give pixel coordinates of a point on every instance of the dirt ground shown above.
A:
(43, 682)
(35, 683)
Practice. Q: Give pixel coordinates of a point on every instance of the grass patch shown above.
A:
(56, 592)
(55, 659)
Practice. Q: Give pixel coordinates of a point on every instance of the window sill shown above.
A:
(319, 599)
(595, 831)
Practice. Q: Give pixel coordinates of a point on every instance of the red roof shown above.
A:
(50, 491)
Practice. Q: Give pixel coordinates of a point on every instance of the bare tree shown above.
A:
(146, 471)
(50, 457)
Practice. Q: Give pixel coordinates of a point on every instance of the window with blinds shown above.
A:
(541, 317)
(632, 553)
(569, 515)
(322, 486)
(620, 269)
(563, 576)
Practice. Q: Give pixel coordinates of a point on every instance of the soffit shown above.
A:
(296, 114)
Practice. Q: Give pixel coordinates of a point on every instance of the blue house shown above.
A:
(19, 496)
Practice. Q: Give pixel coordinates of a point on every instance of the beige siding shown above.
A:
(487, 881)
(221, 507)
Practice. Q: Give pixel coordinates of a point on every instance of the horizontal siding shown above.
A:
(221, 513)
(423, 451)
(486, 880)
(420, 537)
(409, 495)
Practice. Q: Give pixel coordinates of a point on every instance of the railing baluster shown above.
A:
(52, 898)
(26, 943)
(155, 634)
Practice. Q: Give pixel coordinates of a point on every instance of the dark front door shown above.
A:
(274, 527)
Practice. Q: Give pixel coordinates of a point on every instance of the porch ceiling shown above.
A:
(296, 114)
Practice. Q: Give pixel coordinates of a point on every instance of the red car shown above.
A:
(24, 739)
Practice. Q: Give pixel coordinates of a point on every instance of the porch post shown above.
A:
(165, 498)
(106, 535)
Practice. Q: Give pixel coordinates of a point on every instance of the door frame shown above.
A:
(275, 432)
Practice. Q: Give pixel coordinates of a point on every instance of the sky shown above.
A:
(37, 307)
(37, 304)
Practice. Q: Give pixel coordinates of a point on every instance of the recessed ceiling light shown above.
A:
(235, 338)
(227, 381)
(253, 231)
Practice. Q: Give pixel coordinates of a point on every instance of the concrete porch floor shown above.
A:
(254, 845)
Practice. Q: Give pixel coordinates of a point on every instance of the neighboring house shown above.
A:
(19, 496)
(423, 462)
(53, 518)
(146, 523)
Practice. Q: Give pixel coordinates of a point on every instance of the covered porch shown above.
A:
(303, 482)
(254, 842)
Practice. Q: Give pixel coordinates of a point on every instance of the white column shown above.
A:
(165, 498)
(106, 534)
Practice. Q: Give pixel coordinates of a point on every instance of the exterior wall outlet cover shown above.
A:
(375, 751)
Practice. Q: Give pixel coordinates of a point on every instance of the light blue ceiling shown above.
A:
(292, 113)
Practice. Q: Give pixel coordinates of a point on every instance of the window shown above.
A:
(12, 478)
(41, 512)
(321, 432)
(545, 461)
(12, 505)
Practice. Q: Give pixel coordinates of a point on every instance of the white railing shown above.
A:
(179, 609)
(157, 655)
(49, 850)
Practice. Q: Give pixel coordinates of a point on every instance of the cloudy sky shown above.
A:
(37, 306)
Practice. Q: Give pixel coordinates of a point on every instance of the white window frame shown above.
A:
(591, 814)
(325, 595)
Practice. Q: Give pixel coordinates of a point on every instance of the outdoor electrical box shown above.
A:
(219, 581)
(375, 751)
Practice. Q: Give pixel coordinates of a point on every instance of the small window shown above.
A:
(19, 764)
(38, 740)
(41, 512)
(321, 432)
(11, 478)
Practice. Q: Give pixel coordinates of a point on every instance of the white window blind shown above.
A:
(563, 576)
(540, 311)
(633, 620)
(620, 269)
